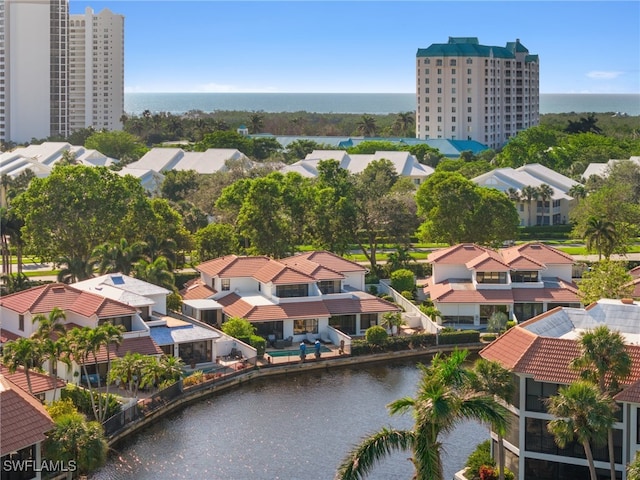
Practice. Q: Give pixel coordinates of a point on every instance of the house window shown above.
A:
(289, 291)
(21, 323)
(524, 276)
(491, 277)
(305, 325)
(124, 321)
(329, 286)
(225, 284)
(344, 323)
(368, 320)
(537, 394)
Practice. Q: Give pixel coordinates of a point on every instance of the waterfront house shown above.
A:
(23, 422)
(538, 352)
(82, 309)
(43, 386)
(552, 211)
(313, 294)
(469, 282)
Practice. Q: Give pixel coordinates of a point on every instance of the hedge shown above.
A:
(81, 398)
(412, 342)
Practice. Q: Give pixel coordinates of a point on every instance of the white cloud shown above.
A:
(604, 75)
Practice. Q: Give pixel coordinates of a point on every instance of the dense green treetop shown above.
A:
(117, 144)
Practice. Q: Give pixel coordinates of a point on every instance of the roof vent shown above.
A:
(627, 301)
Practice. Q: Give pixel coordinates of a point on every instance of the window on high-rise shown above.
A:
(439, 62)
(452, 62)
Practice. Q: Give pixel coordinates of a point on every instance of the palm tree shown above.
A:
(529, 194)
(601, 235)
(493, 379)
(545, 193)
(156, 272)
(444, 398)
(367, 126)
(155, 247)
(256, 122)
(583, 414)
(513, 194)
(15, 283)
(404, 122)
(578, 191)
(118, 256)
(172, 367)
(75, 270)
(128, 370)
(392, 319)
(605, 361)
(23, 352)
(53, 349)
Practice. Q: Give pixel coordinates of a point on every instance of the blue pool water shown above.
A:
(296, 352)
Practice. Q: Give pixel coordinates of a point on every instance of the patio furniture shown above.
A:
(287, 342)
(324, 338)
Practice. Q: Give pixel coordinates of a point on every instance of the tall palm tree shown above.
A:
(578, 191)
(545, 193)
(367, 126)
(600, 235)
(256, 122)
(582, 413)
(15, 283)
(23, 352)
(605, 361)
(494, 379)
(155, 247)
(53, 349)
(513, 194)
(529, 194)
(444, 398)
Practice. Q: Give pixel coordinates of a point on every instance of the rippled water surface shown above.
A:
(294, 427)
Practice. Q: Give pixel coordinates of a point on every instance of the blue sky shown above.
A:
(361, 46)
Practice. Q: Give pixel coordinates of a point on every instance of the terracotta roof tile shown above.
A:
(510, 348)
(232, 266)
(522, 262)
(280, 274)
(635, 272)
(144, 345)
(451, 292)
(6, 335)
(40, 383)
(197, 289)
(540, 253)
(457, 254)
(331, 261)
(45, 298)
(630, 394)
(313, 269)
(23, 419)
(344, 306)
(487, 262)
(554, 295)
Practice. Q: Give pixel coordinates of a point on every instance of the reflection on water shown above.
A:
(292, 427)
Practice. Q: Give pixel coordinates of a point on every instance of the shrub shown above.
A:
(479, 457)
(194, 379)
(373, 290)
(376, 335)
(81, 398)
(431, 311)
(487, 472)
(387, 297)
(407, 294)
(402, 280)
(238, 327)
(259, 343)
(510, 324)
(489, 337)
(465, 336)
(174, 302)
(497, 321)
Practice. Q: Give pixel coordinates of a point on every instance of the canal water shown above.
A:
(289, 428)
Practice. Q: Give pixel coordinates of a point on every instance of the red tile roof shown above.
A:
(6, 335)
(23, 419)
(636, 288)
(565, 294)
(281, 274)
(546, 359)
(522, 262)
(232, 266)
(144, 345)
(344, 306)
(40, 383)
(449, 292)
(313, 269)
(457, 254)
(635, 272)
(196, 289)
(487, 262)
(540, 253)
(45, 298)
(331, 261)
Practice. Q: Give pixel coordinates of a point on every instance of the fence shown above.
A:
(410, 309)
(141, 408)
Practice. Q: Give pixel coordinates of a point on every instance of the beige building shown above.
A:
(469, 91)
(58, 72)
(96, 70)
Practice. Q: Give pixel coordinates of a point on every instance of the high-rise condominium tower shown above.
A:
(468, 91)
(48, 86)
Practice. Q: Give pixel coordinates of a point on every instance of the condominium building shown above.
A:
(96, 70)
(469, 91)
(39, 96)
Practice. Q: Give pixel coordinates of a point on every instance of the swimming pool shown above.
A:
(296, 352)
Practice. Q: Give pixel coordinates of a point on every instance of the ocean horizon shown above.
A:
(355, 103)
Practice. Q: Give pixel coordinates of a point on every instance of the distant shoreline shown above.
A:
(353, 103)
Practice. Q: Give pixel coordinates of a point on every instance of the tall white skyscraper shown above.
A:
(468, 91)
(39, 95)
(96, 70)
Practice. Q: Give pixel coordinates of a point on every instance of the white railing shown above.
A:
(411, 310)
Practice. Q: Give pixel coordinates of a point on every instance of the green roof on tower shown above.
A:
(470, 47)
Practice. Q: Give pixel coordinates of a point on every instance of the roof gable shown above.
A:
(458, 254)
